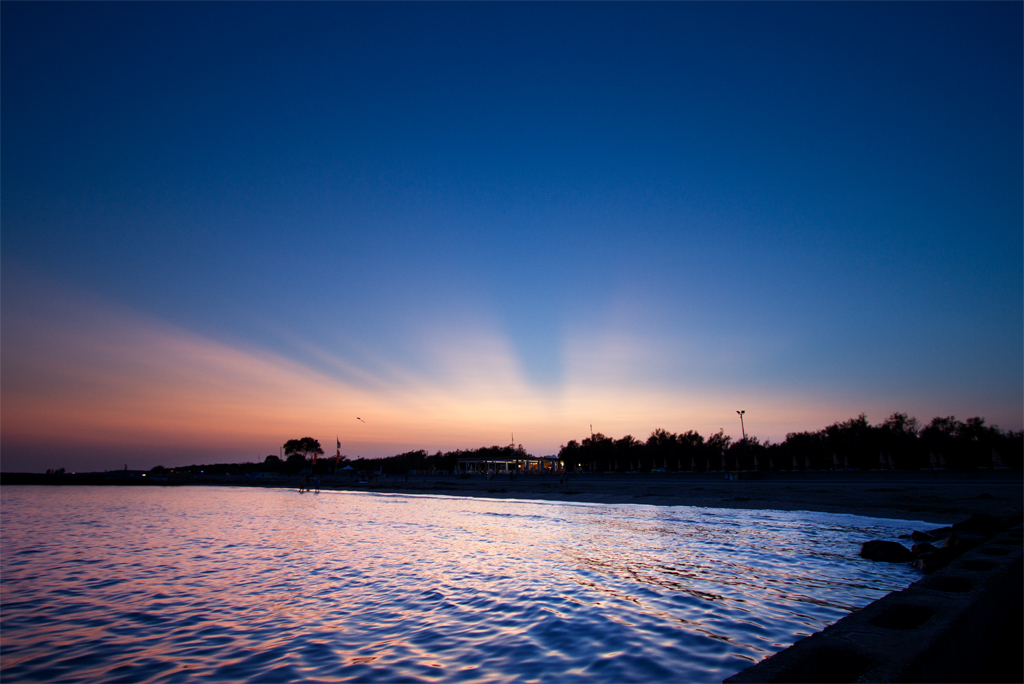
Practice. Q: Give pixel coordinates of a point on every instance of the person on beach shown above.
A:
(318, 484)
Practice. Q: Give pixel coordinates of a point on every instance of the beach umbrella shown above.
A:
(348, 468)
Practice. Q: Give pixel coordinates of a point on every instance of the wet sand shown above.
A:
(941, 498)
(938, 497)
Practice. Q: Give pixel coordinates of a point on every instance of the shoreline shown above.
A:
(939, 497)
(933, 498)
(940, 501)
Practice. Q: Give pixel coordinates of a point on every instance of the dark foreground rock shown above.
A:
(921, 549)
(961, 624)
(886, 551)
(959, 539)
(985, 525)
(956, 539)
(940, 533)
(931, 561)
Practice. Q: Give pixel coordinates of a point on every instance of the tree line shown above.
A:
(422, 461)
(299, 457)
(897, 443)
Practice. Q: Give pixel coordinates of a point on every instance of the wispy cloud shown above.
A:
(78, 371)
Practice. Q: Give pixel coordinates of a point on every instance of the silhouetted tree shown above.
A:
(691, 448)
(1010, 449)
(809, 450)
(662, 446)
(299, 450)
(628, 451)
(853, 442)
(898, 442)
(570, 453)
(714, 449)
(975, 442)
(938, 439)
(595, 453)
(749, 455)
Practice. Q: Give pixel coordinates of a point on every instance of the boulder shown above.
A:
(921, 537)
(936, 560)
(940, 533)
(962, 541)
(980, 523)
(929, 559)
(886, 551)
(921, 549)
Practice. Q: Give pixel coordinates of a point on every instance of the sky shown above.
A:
(227, 225)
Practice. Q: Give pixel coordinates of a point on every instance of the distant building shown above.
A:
(530, 464)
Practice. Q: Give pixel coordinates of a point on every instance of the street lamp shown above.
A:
(741, 426)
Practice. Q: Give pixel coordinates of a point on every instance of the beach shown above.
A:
(936, 497)
(940, 497)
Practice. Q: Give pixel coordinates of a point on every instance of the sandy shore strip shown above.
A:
(936, 497)
(939, 497)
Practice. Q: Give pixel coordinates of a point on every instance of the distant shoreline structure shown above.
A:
(899, 443)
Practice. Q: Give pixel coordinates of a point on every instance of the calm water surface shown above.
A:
(229, 584)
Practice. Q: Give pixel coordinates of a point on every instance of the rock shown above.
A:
(929, 559)
(886, 551)
(980, 523)
(922, 549)
(963, 541)
(935, 560)
(977, 523)
(921, 537)
(940, 533)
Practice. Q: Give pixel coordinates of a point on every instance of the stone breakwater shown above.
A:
(961, 623)
(955, 540)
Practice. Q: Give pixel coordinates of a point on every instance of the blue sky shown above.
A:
(479, 219)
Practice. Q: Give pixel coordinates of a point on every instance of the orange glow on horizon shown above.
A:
(114, 379)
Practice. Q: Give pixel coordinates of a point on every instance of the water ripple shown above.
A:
(221, 584)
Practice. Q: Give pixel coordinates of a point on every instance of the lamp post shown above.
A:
(744, 430)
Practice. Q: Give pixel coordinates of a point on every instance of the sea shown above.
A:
(217, 584)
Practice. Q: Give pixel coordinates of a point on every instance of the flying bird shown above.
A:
(360, 419)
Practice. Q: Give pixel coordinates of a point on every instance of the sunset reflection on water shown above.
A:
(166, 584)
